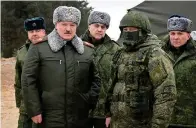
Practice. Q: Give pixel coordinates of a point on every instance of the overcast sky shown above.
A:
(116, 9)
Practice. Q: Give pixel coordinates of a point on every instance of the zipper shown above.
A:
(63, 50)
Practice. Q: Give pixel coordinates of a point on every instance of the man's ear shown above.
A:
(44, 31)
(55, 26)
(89, 26)
(189, 35)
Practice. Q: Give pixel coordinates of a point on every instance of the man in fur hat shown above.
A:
(105, 47)
(35, 28)
(142, 91)
(182, 50)
(60, 79)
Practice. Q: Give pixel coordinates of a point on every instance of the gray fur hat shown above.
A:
(99, 17)
(179, 23)
(64, 13)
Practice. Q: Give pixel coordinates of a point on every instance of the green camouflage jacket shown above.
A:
(105, 49)
(18, 71)
(184, 60)
(143, 90)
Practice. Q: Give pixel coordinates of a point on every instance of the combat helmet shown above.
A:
(135, 19)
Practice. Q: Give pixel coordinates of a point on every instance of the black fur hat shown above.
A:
(34, 23)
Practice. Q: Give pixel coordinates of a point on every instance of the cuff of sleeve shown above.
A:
(108, 114)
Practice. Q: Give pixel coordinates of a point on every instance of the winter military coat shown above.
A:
(18, 68)
(184, 60)
(105, 50)
(62, 85)
(143, 90)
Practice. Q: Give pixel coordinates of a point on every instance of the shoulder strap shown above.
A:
(148, 54)
(116, 56)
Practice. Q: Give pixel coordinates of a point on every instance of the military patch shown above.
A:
(157, 72)
(34, 24)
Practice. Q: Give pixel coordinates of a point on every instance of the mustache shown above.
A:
(67, 32)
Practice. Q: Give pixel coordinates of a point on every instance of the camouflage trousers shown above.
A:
(25, 122)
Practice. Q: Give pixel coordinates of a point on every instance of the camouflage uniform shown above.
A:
(105, 50)
(184, 60)
(142, 92)
(24, 121)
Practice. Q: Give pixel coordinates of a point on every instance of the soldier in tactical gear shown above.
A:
(182, 50)
(105, 49)
(35, 28)
(143, 91)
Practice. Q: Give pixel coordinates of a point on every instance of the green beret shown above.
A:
(34, 23)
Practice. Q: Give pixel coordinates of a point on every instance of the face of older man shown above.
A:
(66, 30)
(178, 38)
(36, 36)
(97, 30)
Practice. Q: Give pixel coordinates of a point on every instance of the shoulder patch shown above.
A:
(157, 72)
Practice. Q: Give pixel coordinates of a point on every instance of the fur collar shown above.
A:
(56, 42)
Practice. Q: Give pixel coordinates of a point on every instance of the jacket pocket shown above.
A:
(83, 66)
(82, 76)
(53, 66)
(139, 103)
(53, 60)
(53, 100)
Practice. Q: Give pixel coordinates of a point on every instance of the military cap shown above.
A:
(179, 23)
(99, 17)
(34, 23)
(65, 13)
